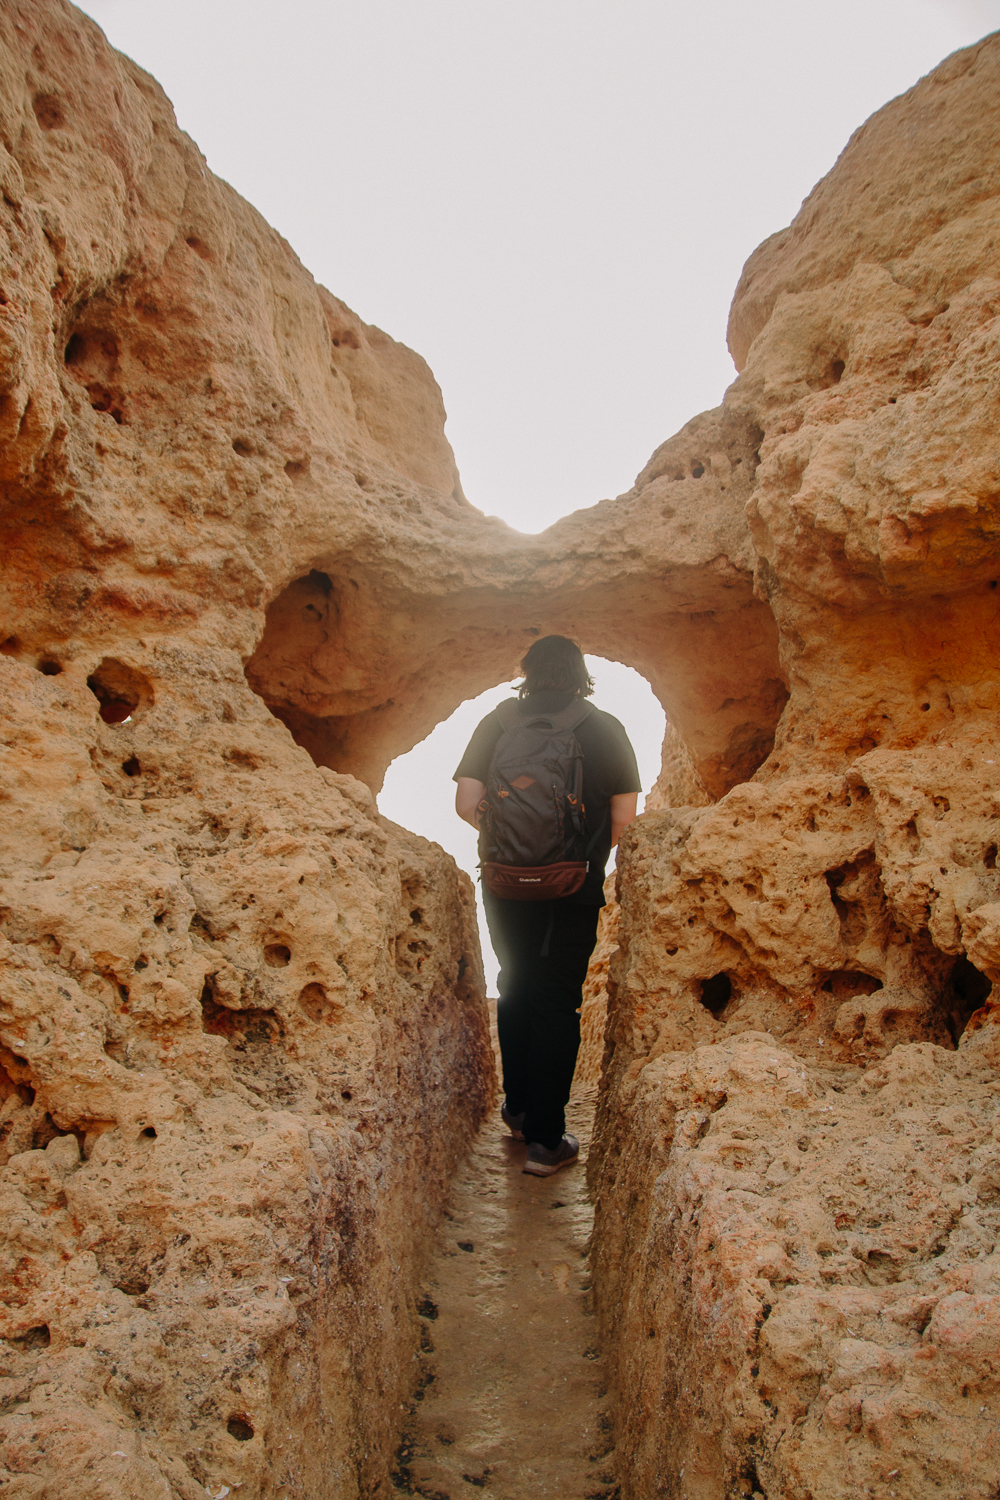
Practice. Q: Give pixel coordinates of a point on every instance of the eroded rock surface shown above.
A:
(243, 1037)
(797, 1166)
(241, 1018)
(242, 1031)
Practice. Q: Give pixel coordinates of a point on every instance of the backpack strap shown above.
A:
(508, 712)
(593, 843)
(512, 716)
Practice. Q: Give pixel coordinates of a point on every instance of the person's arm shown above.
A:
(469, 795)
(623, 806)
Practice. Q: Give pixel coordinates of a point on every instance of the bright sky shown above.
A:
(550, 199)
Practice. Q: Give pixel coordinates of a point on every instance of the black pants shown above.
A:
(544, 949)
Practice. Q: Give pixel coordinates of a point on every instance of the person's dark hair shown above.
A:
(555, 664)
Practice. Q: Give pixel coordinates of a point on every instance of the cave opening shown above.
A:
(120, 690)
(419, 794)
(968, 990)
(716, 993)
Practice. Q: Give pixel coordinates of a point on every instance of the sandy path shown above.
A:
(511, 1399)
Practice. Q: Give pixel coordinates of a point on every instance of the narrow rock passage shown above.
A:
(510, 1397)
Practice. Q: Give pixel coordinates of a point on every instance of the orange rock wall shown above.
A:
(797, 1168)
(242, 1032)
(243, 1037)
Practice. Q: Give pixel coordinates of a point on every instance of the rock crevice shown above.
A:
(243, 1035)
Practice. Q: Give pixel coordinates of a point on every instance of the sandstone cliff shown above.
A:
(242, 1028)
(242, 1031)
(797, 1182)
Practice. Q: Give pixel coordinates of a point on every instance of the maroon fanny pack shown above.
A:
(534, 883)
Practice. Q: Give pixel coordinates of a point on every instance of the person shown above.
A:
(544, 946)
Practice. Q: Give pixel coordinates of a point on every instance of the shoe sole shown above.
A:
(542, 1169)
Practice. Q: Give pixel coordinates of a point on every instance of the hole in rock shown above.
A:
(133, 1284)
(697, 470)
(149, 1133)
(240, 1428)
(241, 448)
(14, 1075)
(89, 1132)
(990, 857)
(252, 1026)
(419, 794)
(968, 991)
(831, 375)
(277, 955)
(716, 993)
(296, 468)
(102, 400)
(11, 646)
(853, 886)
(49, 668)
(198, 246)
(302, 660)
(751, 1479)
(38, 1337)
(844, 983)
(131, 767)
(318, 1005)
(48, 111)
(120, 690)
(92, 356)
(46, 1130)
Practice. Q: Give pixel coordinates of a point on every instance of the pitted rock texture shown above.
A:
(231, 998)
(243, 1038)
(241, 1017)
(796, 1166)
(821, 1316)
(240, 577)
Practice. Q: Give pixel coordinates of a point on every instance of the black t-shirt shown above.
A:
(609, 769)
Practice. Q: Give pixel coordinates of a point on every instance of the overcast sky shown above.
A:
(550, 199)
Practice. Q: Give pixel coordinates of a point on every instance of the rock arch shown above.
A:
(216, 958)
(364, 654)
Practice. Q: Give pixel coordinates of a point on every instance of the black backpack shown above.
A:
(532, 830)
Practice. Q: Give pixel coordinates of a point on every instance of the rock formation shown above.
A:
(242, 1025)
(243, 1037)
(797, 1182)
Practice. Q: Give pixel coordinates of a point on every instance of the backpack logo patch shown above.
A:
(523, 782)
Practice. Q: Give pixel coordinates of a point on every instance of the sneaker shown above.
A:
(542, 1162)
(514, 1123)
